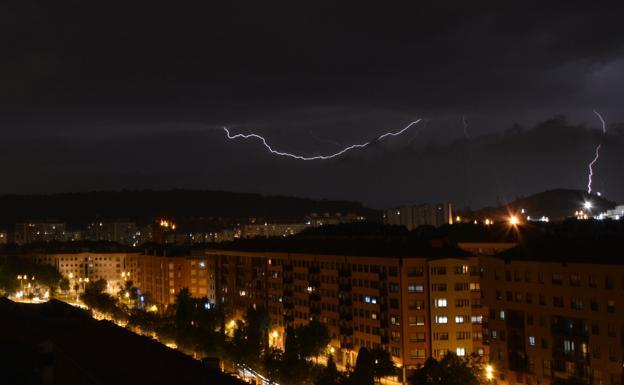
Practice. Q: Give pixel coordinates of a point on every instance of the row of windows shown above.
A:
(457, 270)
(459, 303)
(576, 303)
(574, 279)
(459, 286)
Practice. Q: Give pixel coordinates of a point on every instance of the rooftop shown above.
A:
(87, 351)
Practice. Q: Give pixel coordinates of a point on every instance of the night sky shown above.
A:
(111, 95)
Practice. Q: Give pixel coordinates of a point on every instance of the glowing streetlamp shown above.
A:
(489, 372)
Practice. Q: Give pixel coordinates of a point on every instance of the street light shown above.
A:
(489, 372)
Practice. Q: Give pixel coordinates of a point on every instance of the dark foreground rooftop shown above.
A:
(55, 343)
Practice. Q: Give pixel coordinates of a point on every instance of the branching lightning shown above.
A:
(597, 154)
(318, 157)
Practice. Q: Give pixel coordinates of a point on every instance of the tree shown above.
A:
(313, 339)
(64, 284)
(329, 375)
(44, 275)
(450, 370)
(383, 365)
(95, 298)
(363, 373)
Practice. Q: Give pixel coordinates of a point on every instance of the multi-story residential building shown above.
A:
(457, 309)
(419, 215)
(535, 317)
(83, 267)
(31, 232)
(365, 301)
(552, 319)
(123, 232)
(163, 276)
(267, 230)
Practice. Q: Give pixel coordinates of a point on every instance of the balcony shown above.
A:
(344, 287)
(345, 302)
(346, 331)
(344, 273)
(346, 316)
(346, 345)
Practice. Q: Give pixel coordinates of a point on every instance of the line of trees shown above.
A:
(44, 275)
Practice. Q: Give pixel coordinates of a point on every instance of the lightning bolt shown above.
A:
(591, 169)
(465, 127)
(318, 157)
(597, 155)
(604, 125)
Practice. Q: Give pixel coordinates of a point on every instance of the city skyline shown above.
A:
(311, 192)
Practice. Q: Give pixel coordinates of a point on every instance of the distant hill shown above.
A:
(78, 209)
(555, 204)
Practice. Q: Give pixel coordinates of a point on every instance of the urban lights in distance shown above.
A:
(513, 220)
(587, 205)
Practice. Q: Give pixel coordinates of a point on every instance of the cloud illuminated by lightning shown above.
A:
(318, 157)
(591, 164)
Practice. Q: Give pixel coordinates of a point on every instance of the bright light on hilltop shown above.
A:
(513, 220)
(587, 205)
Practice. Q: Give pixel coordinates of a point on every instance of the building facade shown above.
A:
(83, 267)
(411, 217)
(32, 232)
(534, 320)
(162, 277)
(409, 306)
(551, 320)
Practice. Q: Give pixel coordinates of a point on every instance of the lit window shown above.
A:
(202, 264)
(532, 340)
(460, 352)
(501, 314)
(459, 319)
(415, 288)
(441, 319)
(440, 302)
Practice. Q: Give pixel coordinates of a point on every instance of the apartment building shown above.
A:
(534, 318)
(162, 277)
(430, 214)
(552, 319)
(33, 232)
(457, 309)
(82, 267)
(365, 301)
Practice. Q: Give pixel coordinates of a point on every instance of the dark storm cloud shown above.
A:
(132, 77)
